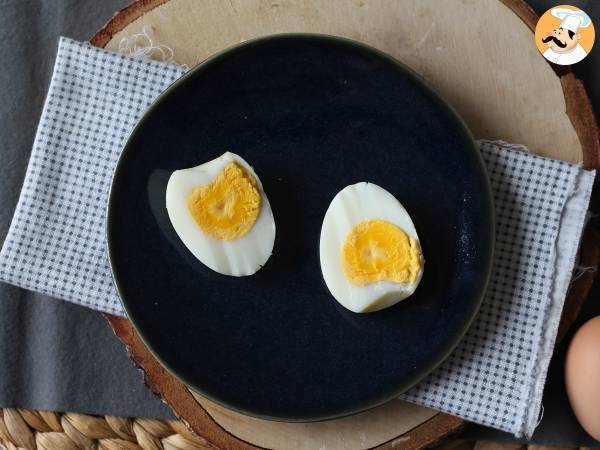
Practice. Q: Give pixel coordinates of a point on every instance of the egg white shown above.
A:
(351, 206)
(239, 257)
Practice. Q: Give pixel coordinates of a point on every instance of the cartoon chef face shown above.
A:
(561, 39)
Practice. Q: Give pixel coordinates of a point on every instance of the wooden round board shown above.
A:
(502, 91)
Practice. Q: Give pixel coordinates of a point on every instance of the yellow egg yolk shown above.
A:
(226, 208)
(376, 250)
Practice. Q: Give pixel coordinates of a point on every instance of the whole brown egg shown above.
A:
(582, 376)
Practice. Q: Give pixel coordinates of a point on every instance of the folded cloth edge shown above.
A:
(572, 218)
(580, 194)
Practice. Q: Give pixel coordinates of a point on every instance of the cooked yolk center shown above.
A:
(226, 208)
(376, 250)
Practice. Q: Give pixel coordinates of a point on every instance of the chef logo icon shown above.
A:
(564, 35)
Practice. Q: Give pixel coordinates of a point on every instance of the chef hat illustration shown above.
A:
(570, 19)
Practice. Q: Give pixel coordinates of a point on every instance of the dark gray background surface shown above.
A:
(62, 357)
(53, 355)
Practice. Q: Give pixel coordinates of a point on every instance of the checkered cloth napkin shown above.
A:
(495, 377)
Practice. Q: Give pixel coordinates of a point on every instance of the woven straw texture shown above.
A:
(22, 429)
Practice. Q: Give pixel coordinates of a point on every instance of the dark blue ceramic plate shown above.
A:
(312, 114)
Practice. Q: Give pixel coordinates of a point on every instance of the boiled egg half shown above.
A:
(220, 212)
(369, 249)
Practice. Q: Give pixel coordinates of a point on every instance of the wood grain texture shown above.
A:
(121, 19)
(502, 92)
(427, 434)
(368, 429)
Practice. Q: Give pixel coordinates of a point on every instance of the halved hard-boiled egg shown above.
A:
(222, 215)
(370, 251)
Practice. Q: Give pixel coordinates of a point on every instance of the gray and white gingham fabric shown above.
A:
(56, 242)
(496, 375)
